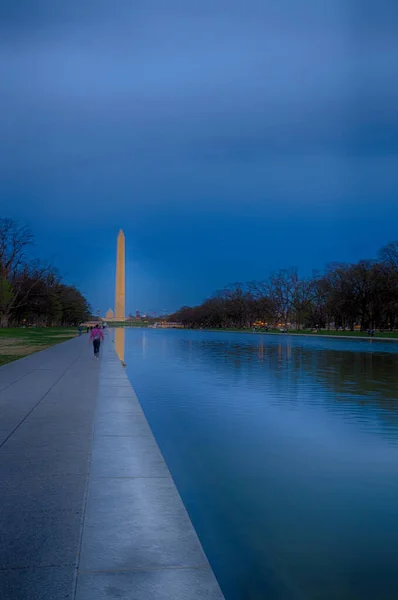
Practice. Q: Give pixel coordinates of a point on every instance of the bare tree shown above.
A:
(14, 241)
(281, 292)
(264, 306)
(389, 255)
(364, 294)
(22, 283)
(31, 290)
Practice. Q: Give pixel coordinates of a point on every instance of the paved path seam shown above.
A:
(37, 404)
(15, 380)
(47, 404)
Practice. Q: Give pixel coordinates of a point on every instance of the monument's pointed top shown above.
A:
(121, 232)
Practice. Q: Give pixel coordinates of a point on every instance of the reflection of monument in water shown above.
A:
(119, 343)
(120, 294)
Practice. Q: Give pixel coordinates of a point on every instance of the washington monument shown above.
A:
(120, 290)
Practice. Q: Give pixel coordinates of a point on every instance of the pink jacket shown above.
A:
(96, 333)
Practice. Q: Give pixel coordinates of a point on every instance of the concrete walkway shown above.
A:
(88, 507)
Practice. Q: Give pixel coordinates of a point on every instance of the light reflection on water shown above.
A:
(285, 452)
(119, 341)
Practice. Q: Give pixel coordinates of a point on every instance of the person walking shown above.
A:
(96, 336)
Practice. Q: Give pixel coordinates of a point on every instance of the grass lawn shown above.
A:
(18, 342)
(331, 332)
(377, 334)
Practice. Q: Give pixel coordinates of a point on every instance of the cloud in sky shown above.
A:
(173, 114)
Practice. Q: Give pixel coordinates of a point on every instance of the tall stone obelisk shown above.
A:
(120, 291)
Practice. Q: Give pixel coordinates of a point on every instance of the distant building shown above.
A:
(109, 315)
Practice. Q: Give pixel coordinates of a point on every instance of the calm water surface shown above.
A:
(285, 452)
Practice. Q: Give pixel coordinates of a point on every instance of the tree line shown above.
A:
(364, 295)
(32, 292)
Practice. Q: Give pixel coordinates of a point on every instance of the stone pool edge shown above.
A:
(137, 536)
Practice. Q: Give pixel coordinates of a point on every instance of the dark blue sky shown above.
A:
(228, 138)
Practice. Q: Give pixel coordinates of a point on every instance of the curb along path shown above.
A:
(138, 541)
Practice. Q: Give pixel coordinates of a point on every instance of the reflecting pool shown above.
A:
(285, 452)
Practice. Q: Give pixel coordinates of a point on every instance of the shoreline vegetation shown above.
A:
(32, 292)
(37, 309)
(351, 335)
(322, 333)
(345, 300)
